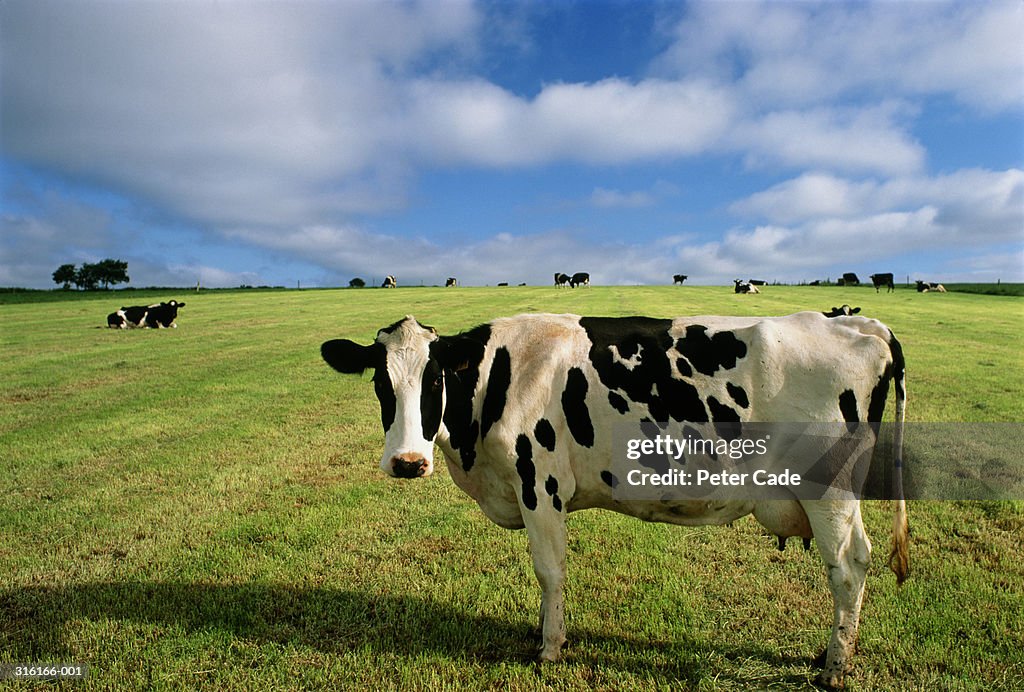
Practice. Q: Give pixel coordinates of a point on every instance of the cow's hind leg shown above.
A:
(846, 551)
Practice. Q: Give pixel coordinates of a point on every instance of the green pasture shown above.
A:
(200, 508)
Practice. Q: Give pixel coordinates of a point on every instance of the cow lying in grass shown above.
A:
(156, 316)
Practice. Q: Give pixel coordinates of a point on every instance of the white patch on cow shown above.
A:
(628, 363)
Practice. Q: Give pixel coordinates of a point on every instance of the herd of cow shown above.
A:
(163, 315)
(523, 409)
(740, 286)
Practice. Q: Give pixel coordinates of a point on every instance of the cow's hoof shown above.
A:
(829, 681)
(550, 654)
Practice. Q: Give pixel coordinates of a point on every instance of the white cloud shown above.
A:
(612, 121)
(987, 206)
(843, 139)
(800, 54)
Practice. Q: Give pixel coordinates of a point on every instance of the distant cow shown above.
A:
(741, 286)
(679, 278)
(503, 283)
(524, 409)
(845, 310)
(849, 279)
(880, 280)
(816, 282)
(389, 282)
(156, 316)
(451, 282)
(561, 280)
(926, 286)
(579, 279)
(756, 282)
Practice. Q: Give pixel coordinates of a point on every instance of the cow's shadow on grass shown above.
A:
(34, 622)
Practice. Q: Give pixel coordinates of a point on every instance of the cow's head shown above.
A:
(415, 371)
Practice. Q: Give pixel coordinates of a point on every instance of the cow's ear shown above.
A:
(458, 352)
(854, 311)
(349, 357)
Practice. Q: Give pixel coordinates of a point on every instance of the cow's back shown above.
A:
(556, 387)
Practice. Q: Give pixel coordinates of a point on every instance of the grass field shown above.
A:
(202, 508)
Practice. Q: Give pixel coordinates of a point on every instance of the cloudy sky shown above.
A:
(286, 142)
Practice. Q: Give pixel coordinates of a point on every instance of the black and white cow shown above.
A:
(741, 286)
(926, 286)
(561, 280)
(156, 316)
(756, 282)
(452, 282)
(845, 310)
(389, 282)
(679, 278)
(879, 280)
(579, 279)
(523, 409)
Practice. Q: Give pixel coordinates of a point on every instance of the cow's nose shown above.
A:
(408, 465)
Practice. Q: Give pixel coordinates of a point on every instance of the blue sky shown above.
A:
(312, 142)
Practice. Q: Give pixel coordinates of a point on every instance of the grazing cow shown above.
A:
(156, 316)
(451, 282)
(880, 280)
(389, 282)
(741, 286)
(561, 280)
(926, 286)
(679, 278)
(816, 282)
(523, 409)
(579, 279)
(845, 310)
(849, 279)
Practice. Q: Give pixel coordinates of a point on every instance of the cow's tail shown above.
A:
(899, 556)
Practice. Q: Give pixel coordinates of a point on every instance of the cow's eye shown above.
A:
(438, 382)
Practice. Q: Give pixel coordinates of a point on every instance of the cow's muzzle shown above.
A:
(409, 466)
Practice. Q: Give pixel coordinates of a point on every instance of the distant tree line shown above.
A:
(91, 276)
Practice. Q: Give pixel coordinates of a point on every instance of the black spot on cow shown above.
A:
(527, 471)
(460, 358)
(609, 479)
(467, 450)
(722, 413)
(848, 406)
(738, 394)
(497, 390)
(574, 405)
(431, 393)
(544, 434)
(652, 381)
(708, 354)
(618, 402)
(385, 395)
(551, 487)
(879, 393)
(683, 366)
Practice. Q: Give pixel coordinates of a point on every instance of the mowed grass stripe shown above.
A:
(201, 507)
